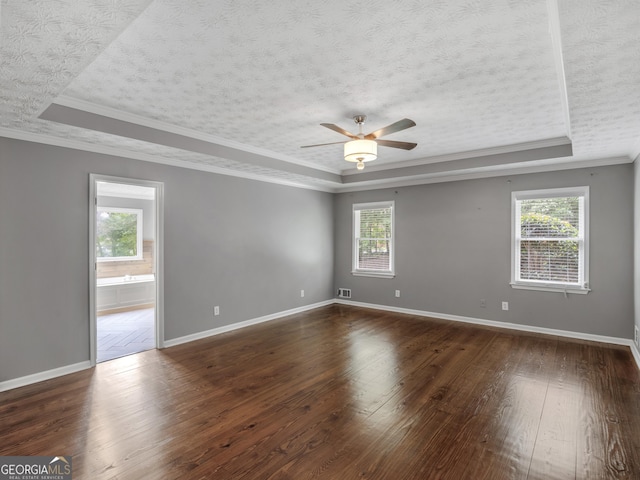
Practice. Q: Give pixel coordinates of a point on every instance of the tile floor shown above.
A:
(125, 333)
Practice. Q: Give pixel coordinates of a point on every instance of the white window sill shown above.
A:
(119, 259)
(358, 273)
(551, 288)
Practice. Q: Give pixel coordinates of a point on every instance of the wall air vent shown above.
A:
(344, 292)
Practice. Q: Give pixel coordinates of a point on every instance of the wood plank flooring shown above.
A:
(342, 393)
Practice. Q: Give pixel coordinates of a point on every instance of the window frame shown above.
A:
(139, 233)
(364, 272)
(582, 286)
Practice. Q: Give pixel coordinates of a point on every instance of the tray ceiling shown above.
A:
(236, 87)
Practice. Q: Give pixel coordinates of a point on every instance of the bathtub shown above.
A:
(118, 293)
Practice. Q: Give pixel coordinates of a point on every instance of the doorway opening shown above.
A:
(125, 246)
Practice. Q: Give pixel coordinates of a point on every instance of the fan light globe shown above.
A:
(359, 151)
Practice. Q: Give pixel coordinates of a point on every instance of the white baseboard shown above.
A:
(510, 326)
(636, 353)
(247, 323)
(58, 372)
(42, 376)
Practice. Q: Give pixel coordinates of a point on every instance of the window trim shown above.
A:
(545, 286)
(139, 233)
(361, 272)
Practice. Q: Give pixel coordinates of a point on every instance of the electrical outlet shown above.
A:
(483, 303)
(216, 310)
(301, 293)
(636, 337)
(397, 293)
(505, 305)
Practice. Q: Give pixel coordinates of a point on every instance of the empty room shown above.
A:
(320, 240)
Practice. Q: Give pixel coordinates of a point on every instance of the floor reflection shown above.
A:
(373, 368)
(125, 410)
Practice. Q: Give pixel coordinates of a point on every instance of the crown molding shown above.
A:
(483, 172)
(501, 170)
(121, 128)
(123, 153)
(493, 162)
(116, 114)
(481, 152)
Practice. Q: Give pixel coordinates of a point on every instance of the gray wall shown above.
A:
(453, 249)
(251, 246)
(247, 246)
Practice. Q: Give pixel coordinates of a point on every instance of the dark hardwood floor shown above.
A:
(342, 393)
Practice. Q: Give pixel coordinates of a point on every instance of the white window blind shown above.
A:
(373, 238)
(550, 239)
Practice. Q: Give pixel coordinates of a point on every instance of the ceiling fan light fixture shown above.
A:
(364, 148)
(359, 151)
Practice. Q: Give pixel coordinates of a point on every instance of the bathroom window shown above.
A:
(118, 234)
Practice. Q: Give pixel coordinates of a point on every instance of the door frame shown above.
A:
(158, 252)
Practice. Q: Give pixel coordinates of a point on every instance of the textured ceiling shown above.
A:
(238, 86)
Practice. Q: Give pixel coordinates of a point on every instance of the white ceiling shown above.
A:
(237, 86)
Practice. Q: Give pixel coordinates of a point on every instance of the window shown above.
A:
(550, 240)
(118, 234)
(373, 239)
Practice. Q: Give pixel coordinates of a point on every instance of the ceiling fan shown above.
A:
(364, 148)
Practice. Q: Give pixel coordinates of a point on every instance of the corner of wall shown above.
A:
(636, 248)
